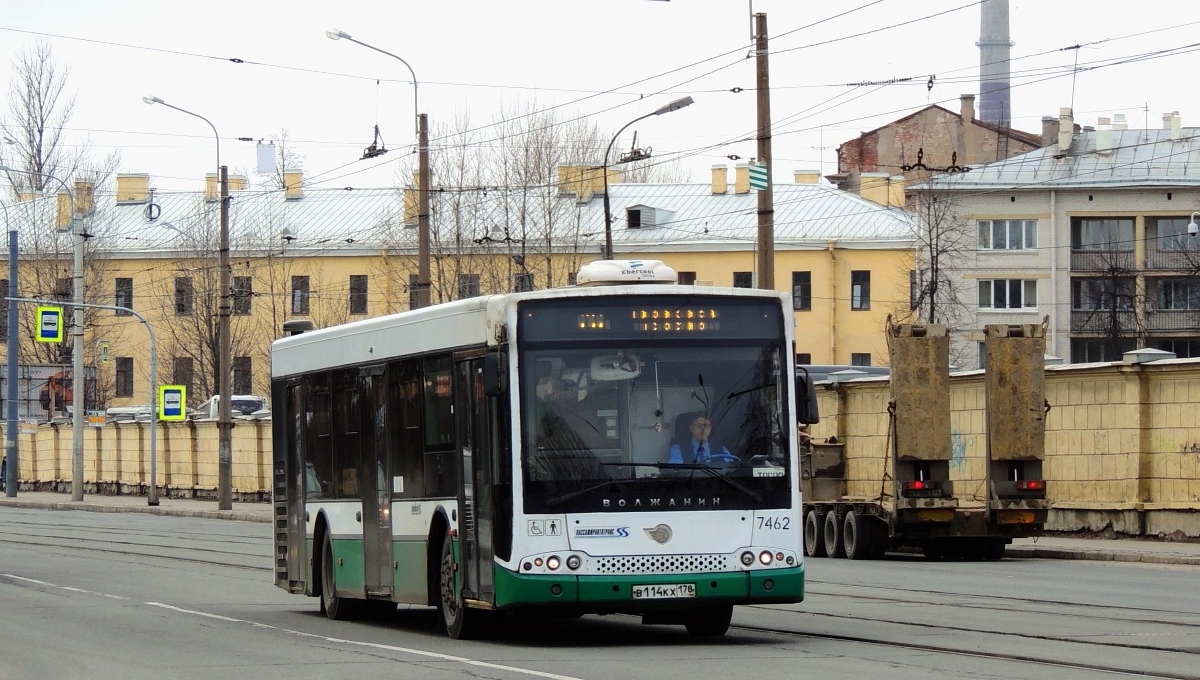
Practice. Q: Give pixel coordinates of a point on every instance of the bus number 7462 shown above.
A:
(777, 523)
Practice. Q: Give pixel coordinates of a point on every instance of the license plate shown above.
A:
(664, 591)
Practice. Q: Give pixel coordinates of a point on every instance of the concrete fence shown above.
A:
(116, 458)
(1122, 447)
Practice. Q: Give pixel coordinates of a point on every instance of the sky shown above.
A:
(608, 61)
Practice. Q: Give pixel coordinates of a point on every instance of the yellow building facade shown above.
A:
(334, 256)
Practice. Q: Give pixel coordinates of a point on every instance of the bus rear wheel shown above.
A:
(814, 537)
(459, 621)
(709, 621)
(334, 607)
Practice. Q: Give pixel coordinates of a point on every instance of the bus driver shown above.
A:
(701, 448)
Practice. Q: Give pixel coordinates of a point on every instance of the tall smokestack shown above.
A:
(994, 49)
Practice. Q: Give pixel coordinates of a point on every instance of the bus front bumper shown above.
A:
(616, 593)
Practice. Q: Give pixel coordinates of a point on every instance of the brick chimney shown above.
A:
(293, 185)
(1049, 130)
(807, 176)
(133, 188)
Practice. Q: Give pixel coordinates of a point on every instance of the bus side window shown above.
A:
(408, 454)
(346, 436)
(438, 420)
(318, 446)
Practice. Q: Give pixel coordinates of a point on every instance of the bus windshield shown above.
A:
(675, 423)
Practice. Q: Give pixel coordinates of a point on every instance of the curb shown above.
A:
(235, 515)
(1096, 555)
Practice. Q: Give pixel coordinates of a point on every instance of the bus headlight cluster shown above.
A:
(767, 558)
(552, 563)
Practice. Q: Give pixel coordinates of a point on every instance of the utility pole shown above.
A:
(423, 210)
(766, 203)
(224, 363)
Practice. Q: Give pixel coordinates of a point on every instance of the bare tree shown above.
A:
(944, 248)
(287, 157)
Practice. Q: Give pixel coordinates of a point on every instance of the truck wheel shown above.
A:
(858, 536)
(814, 537)
(993, 550)
(833, 536)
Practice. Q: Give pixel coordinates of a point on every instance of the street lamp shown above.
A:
(79, 380)
(224, 370)
(422, 173)
(673, 106)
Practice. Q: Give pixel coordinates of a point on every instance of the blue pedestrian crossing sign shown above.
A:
(172, 402)
(49, 324)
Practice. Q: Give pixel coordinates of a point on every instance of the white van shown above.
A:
(242, 405)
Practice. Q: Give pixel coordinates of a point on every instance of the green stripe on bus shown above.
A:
(513, 589)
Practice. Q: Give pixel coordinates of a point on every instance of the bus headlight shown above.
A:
(747, 558)
(553, 563)
(765, 557)
(573, 562)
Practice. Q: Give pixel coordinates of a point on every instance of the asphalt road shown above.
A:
(107, 595)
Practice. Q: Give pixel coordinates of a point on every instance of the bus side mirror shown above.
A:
(806, 399)
(495, 374)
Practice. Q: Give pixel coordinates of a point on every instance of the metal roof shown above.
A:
(362, 221)
(1138, 158)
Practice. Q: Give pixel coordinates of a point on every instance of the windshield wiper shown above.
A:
(706, 469)
(734, 395)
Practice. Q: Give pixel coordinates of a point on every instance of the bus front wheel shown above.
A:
(459, 621)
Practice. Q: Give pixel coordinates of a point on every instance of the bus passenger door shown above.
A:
(375, 487)
(475, 482)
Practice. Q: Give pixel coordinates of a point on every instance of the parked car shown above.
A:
(242, 405)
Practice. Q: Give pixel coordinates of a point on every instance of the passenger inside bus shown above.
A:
(695, 444)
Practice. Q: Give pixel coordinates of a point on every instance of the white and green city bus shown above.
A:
(513, 454)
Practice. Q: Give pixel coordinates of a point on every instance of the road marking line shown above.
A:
(374, 645)
(29, 580)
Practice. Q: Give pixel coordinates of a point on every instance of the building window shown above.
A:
(358, 294)
(1087, 350)
(1183, 348)
(860, 290)
(413, 288)
(687, 278)
(804, 358)
(1007, 234)
(183, 372)
(124, 296)
(242, 378)
(1007, 293)
(1172, 234)
(633, 217)
(243, 292)
(860, 359)
(64, 289)
(124, 377)
(468, 285)
(300, 295)
(185, 296)
(1102, 233)
(1094, 294)
(743, 279)
(802, 290)
(522, 282)
(1178, 294)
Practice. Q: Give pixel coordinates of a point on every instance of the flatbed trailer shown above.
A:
(918, 505)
